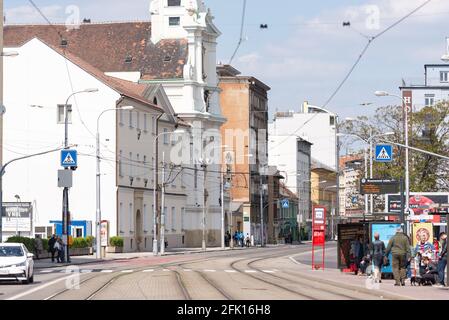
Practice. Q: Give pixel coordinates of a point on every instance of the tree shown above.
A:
(428, 130)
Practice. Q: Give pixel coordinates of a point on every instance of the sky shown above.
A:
(305, 52)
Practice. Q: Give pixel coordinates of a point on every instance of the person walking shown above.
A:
(248, 241)
(38, 246)
(377, 251)
(442, 263)
(51, 247)
(57, 249)
(399, 246)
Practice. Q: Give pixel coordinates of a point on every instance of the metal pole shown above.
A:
(447, 266)
(65, 195)
(1, 122)
(371, 166)
(2, 171)
(407, 173)
(366, 177)
(162, 206)
(337, 169)
(203, 242)
(155, 185)
(261, 211)
(98, 213)
(222, 214)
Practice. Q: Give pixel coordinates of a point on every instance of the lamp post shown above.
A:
(98, 182)
(65, 192)
(155, 186)
(407, 172)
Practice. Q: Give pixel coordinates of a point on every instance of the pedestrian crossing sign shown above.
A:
(69, 158)
(384, 153)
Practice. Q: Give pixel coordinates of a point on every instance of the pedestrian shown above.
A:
(38, 246)
(57, 249)
(51, 247)
(377, 251)
(399, 246)
(429, 272)
(242, 239)
(248, 241)
(236, 238)
(442, 263)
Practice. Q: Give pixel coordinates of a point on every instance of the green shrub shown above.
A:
(28, 242)
(116, 241)
(79, 243)
(90, 241)
(45, 244)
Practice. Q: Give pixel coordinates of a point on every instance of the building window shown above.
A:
(174, 3)
(61, 114)
(130, 119)
(174, 21)
(131, 224)
(166, 136)
(183, 212)
(145, 125)
(429, 100)
(138, 120)
(444, 76)
(130, 164)
(331, 120)
(120, 165)
(173, 218)
(154, 124)
(121, 117)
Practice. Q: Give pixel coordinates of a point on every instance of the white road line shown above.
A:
(106, 271)
(210, 270)
(230, 271)
(149, 270)
(187, 270)
(47, 271)
(268, 271)
(250, 271)
(166, 270)
(127, 271)
(294, 260)
(86, 271)
(40, 287)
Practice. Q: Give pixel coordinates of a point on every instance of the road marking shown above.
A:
(127, 271)
(86, 271)
(149, 270)
(40, 287)
(210, 270)
(268, 271)
(166, 270)
(47, 271)
(250, 271)
(106, 271)
(230, 271)
(294, 260)
(187, 270)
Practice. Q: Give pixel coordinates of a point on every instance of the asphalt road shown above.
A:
(258, 273)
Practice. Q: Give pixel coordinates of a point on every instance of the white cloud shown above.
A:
(28, 14)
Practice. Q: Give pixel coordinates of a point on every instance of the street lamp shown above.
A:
(156, 139)
(65, 192)
(98, 178)
(407, 173)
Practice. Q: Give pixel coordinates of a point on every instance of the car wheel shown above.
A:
(31, 279)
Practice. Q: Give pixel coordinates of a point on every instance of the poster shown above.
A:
(347, 233)
(422, 234)
(419, 203)
(386, 232)
(104, 232)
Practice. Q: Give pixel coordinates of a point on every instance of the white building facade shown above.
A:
(37, 84)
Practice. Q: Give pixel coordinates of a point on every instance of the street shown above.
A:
(272, 273)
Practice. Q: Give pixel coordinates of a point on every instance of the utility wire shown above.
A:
(242, 27)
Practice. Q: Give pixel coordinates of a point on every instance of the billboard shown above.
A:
(422, 234)
(372, 186)
(386, 231)
(17, 216)
(420, 203)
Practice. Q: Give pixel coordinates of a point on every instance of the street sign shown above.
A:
(285, 204)
(384, 153)
(378, 186)
(69, 158)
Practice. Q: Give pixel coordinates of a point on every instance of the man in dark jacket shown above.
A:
(51, 247)
(399, 246)
(442, 263)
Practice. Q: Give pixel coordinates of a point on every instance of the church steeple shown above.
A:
(170, 17)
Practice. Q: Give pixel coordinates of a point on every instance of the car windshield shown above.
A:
(9, 251)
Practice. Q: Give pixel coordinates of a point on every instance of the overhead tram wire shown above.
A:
(351, 70)
(242, 27)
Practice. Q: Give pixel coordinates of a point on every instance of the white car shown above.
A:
(16, 263)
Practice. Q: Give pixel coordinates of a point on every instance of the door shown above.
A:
(139, 230)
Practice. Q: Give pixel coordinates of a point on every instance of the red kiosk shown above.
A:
(319, 233)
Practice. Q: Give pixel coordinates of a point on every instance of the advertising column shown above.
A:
(318, 233)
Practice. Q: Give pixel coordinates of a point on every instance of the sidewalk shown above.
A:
(80, 260)
(385, 289)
